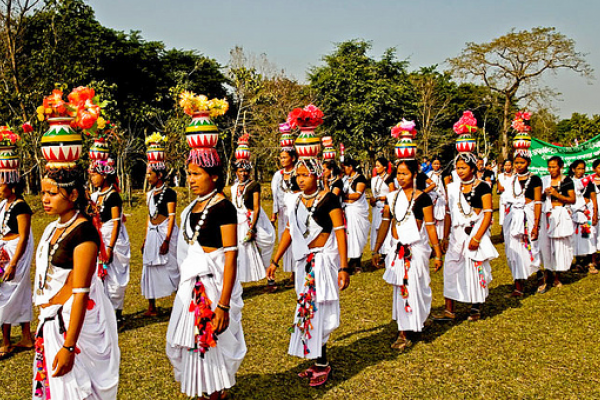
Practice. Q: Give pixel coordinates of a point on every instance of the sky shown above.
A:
(295, 35)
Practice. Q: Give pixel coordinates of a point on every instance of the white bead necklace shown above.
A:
(7, 217)
(408, 211)
(161, 195)
(210, 197)
(524, 188)
(311, 211)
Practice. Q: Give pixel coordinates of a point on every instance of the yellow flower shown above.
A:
(101, 122)
(40, 117)
(40, 110)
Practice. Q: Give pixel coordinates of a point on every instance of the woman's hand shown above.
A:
(143, 245)
(109, 255)
(9, 273)
(473, 244)
(444, 245)
(273, 218)
(438, 263)
(343, 280)
(164, 248)
(220, 321)
(63, 362)
(534, 233)
(594, 220)
(271, 271)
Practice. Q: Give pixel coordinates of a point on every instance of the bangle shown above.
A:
(70, 348)
(80, 290)
(445, 239)
(435, 245)
(109, 247)
(347, 270)
(222, 307)
(438, 259)
(475, 239)
(274, 263)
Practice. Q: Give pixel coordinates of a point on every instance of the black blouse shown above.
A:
(480, 190)
(19, 208)
(423, 201)
(222, 213)
(565, 186)
(359, 179)
(84, 232)
(113, 200)
(169, 197)
(251, 188)
(535, 182)
(321, 215)
(422, 181)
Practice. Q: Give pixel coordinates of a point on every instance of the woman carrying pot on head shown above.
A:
(596, 180)
(16, 251)
(382, 183)
(205, 340)
(332, 178)
(556, 235)
(77, 351)
(438, 196)
(160, 274)
(283, 184)
(356, 211)
(585, 216)
(410, 212)
(256, 235)
(469, 249)
(114, 253)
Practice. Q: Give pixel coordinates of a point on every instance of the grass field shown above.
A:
(544, 346)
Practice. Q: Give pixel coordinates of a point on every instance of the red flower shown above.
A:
(80, 95)
(27, 128)
(466, 124)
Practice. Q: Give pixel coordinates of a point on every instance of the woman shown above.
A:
(356, 210)
(16, 251)
(467, 270)
(521, 230)
(77, 351)
(160, 275)
(205, 340)
(256, 235)
(556, 236)
(332, 180)
(318, 243)
(114, 252)
(596, 180)
(504, 180)
(483, 173)
(283, 184)
(583, 213)
(382, 183)
(407, 270)
(438, 196)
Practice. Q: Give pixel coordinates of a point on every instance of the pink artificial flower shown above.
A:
(285, 128)
(466, 124)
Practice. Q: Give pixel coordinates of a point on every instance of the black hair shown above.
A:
(351, 162)
(333, 166)
(558, 161)
(383, 161)
(436, 158)
(574, 165)
(412, 165)
(507, 160)
(291, 152)
(17, 187)
(596, 163)
(219, 173)
(71, 179)
(468, 159)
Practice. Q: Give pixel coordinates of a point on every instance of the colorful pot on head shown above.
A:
(155, 152)
(99, 150)
(307, 144)
(61, 145)
(465, 143)
(405, 131)
(328, 149)
(202, 132)
(243, 150)
(9, 163)
(522, 141)
(286, 141)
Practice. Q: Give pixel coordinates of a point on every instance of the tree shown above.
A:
(362, 97)
(513, 65)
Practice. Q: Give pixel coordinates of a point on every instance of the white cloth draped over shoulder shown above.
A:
(556, 243)
(325, 266)
(160, 273)
(378, 189)
(506, 196)
(357, 222)
(117, 278)
(467, 273)
(216, 370)
(410, 313)
(253, 256)
(279, 190)
(439, 199)
(95, 373)
(522, 253)
(582, 212)
(15, 295)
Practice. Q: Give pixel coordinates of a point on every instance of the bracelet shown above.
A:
(70, 348)
(347, 270)
(430, 223)
(488, 210)
(339, 228)
(445, 239)
(80, 290)
(274, 263)
(222, 307)
(538, 202)
(109, 247)
(230, 248)
(435, 245)
(386, 219)
(172, 214)
(438, 259)
(475, 239)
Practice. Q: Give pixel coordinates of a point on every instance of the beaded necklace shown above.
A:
(524, 188)
(473, 182)
(286, 184)
(242, 195)
(52, 249)
(202, 219)
(351, 179)
(7, 217)
(311, 211)
(159, 202)
(104, 195)
(408, 211)
(377, 188)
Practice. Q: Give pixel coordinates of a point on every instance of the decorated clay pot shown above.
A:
(99, 150)
(155, 152)
(287, 140)
(405, 148)
(8, 156)
(465, 143)
(201, 132)
(307, 144)
(328, 150)
(522, 141)
(61, 145)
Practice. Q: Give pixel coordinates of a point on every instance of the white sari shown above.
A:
(280, 192)
(438, 197)
(582, 212)
(357, 222)
(378, 188)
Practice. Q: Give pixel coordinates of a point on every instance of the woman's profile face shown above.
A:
(306, 181)
(55, 200)
(404, 176)
(201, 182)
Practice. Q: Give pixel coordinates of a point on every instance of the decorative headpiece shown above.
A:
(287, 138)
(465, 144)
(100, 151)
(9, 160)
(202, 134)
(328, 149)
(103, 167)
(306, 119)
(242, 153)
(156, 152)
(405, 132)
(522, 140)
(61, 144)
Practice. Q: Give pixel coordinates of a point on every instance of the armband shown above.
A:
(538, 202)
(429, 223)
(339, 228)
(81, 290)
(116, 219)
(172, 214)
(487, 210)
(229, 249)
(386, 219)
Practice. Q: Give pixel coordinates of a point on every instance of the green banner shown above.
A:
(542, 151)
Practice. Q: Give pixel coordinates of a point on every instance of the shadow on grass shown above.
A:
(258, 290)
(138, 320)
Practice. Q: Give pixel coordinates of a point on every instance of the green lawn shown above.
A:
(545, 346)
